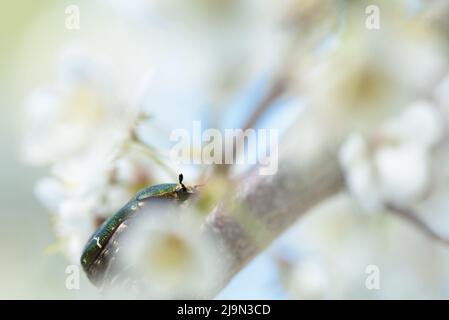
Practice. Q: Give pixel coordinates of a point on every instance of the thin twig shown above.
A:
(412, 217)
(277, 89)
(436, 11)
(275, 92)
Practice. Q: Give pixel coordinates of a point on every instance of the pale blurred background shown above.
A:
(25, 232)
(202, 69)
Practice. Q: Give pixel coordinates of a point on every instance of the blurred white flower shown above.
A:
(360, 175)
(81, 127)
(171, 255)
(82, 110)
(74, 224)
(394, 166)
(85, 191)
(340, 243)
(366, 75)
(419, 124)
(308, 279)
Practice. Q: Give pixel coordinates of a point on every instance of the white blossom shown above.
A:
(394, 165)
(364, 76)
(82, 110)
(172, 255)
(341, 244)
(85, 191)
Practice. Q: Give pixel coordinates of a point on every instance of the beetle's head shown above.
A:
(185, 191)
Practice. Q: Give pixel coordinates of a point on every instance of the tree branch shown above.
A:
(265, 206)
(273, 204)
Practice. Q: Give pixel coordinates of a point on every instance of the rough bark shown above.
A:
(265, 206)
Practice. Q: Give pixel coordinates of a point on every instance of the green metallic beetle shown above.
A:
(98, 256)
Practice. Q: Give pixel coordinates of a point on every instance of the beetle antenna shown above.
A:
(181, 178)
